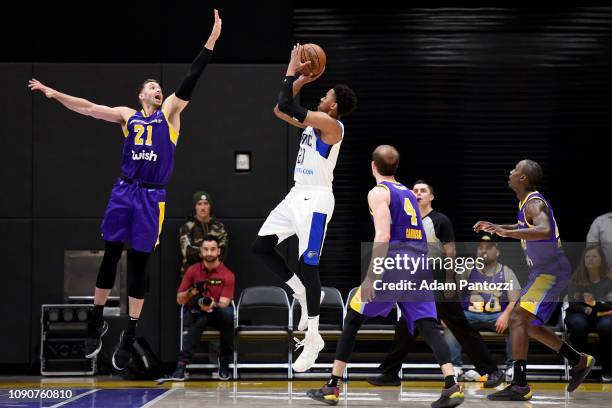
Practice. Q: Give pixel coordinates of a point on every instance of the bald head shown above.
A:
(533, 171)
(386, 158)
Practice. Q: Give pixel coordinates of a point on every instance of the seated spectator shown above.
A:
(197, 227)
(590, 306)
(206, 291)
(489, 309)
(601, 233)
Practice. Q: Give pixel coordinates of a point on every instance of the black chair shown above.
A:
(208, 334)
(263, 328)
(332, 313)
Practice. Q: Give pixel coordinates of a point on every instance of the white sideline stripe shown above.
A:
(161, 397)
(74, 398)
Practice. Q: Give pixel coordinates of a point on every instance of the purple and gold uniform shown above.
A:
(135, 211)
(550, 269)
(407, 237)
(486, 301)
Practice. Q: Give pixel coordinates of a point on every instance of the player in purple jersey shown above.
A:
(135, 211)
(549, 274)
(398, 231)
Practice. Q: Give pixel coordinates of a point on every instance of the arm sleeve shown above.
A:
(191, 79)
(228, 285)
(286, 103)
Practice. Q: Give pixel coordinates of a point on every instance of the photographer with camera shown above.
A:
(207, 290)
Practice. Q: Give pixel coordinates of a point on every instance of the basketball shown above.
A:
(316, 56)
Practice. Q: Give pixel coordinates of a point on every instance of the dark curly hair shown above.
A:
(345, 98)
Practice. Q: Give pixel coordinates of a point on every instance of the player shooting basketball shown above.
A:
(308, 207)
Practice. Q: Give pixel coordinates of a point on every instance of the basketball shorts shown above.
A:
(411, 311)
(542, 293)
(304, 212)
(134, 214)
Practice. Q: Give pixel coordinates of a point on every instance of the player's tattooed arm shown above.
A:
(118, 114)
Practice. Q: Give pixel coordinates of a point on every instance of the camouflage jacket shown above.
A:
(192, 233)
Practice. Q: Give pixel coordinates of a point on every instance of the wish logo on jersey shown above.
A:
(143, 155)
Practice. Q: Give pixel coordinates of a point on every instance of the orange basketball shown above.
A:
(316, 56)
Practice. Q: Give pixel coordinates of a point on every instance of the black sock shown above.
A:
(520, 373)
(570, 353)
(333, 381)
(449, 381)
(96, 318)
(131, 329)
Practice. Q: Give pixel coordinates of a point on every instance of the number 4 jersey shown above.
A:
(316, 159)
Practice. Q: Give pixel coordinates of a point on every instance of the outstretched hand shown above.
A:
(36, 85)
(216, 30)
(215, 33)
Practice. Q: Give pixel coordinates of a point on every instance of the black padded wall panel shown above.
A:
(16, 140)
(15, 291)
(230, 111)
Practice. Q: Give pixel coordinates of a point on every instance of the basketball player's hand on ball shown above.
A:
(310, 78)
(295, 63)
(36, 85)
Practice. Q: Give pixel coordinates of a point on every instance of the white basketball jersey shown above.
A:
(316, 160)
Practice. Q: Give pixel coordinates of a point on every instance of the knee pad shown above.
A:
(108, 268)
(137, 273)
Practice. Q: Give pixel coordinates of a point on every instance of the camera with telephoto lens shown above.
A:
(203, 299)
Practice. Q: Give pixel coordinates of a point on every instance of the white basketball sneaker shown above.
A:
(313, 344)
(472, 375)
(303, 324)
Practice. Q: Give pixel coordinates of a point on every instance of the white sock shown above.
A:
(313, 324)
(296, 285)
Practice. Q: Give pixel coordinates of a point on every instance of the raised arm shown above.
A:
(175, 103)
(297, 87)
(118, 114)
(331, 131)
